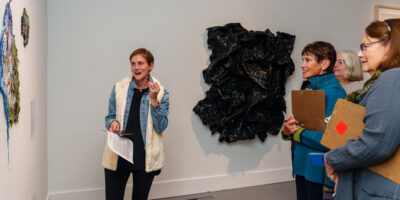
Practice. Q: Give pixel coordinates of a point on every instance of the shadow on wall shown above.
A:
(243, 155)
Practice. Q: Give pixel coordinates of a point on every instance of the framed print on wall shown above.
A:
(386, 12)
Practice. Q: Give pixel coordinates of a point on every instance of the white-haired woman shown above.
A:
(348, 71)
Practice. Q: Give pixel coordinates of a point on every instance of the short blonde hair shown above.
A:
(353, 71)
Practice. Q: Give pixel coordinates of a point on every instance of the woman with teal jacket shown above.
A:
(318, 61)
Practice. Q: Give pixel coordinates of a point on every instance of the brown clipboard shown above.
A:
(346, 122)
(346, 114)
(308, 108)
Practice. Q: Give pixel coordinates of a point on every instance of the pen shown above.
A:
(120, 133)
(296, 123)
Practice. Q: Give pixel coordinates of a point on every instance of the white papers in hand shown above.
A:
(121, 146)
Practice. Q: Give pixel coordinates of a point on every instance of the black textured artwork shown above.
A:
(247, 73)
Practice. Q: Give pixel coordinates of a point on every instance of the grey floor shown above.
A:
(277, 191)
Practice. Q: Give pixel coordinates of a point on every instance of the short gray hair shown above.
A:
(353, 70)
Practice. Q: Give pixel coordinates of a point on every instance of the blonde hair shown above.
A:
(353, 70)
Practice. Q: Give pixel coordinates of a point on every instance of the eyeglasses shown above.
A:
(363, 46)
(388, 27)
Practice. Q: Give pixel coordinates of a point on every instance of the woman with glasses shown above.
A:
(380, 138)
(348, 71)
(317, 66)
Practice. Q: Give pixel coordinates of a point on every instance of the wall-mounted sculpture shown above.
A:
(25, 25)
(9, 87)
(247, 72)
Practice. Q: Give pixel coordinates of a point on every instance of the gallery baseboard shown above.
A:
(188, 186)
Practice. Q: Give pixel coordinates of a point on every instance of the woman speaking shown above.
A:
(139, 105)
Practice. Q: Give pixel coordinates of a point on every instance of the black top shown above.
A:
(133, 126)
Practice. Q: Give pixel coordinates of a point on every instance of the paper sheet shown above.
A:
(121, 146)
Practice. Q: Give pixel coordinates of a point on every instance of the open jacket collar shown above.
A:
(133, 83)
(320, 81)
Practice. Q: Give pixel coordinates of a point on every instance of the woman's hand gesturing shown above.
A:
(154, 90)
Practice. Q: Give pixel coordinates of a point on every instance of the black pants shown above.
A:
(307, 190)
(116, 183)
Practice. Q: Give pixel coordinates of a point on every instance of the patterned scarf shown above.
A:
(358, 95)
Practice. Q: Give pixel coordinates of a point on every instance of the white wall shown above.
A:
(25, 177)
(89, 45)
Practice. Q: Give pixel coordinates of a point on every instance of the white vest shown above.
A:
(154, 140)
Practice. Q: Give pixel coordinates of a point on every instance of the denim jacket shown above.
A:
(159, 113)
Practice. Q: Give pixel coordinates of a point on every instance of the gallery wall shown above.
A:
(25, 175)
(89, 43)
